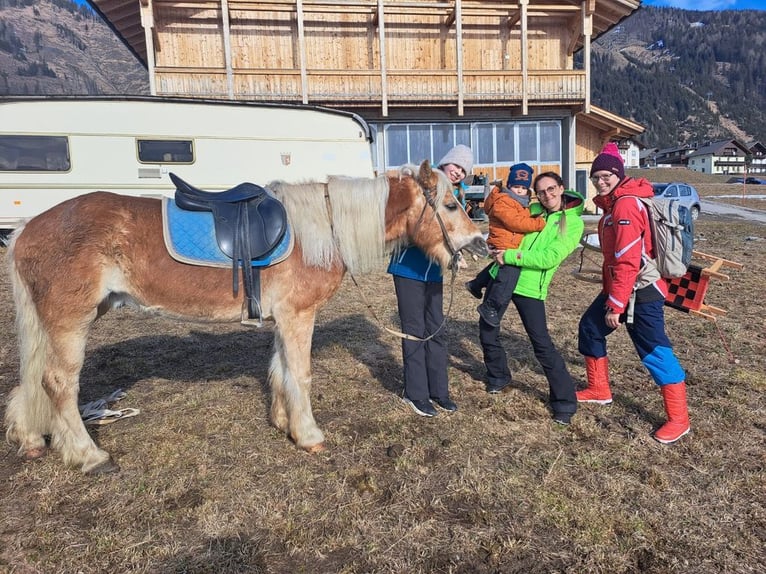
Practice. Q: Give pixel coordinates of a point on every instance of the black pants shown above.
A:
(500, 289)
(425, 362)
(532, 313)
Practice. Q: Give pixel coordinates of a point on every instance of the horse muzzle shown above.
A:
(478, 247)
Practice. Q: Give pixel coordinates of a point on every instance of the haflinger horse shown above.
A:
(74, 262)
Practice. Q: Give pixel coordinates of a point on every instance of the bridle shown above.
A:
(430, 194)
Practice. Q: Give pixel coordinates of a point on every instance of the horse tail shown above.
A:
(30, 412)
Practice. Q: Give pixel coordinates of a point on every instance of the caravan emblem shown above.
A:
(286, 157)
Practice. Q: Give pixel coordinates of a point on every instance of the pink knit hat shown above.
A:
(609, 160)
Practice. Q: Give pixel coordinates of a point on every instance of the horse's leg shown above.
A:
(292, 342)
(51, 353)
(277, 370)
(61, 382)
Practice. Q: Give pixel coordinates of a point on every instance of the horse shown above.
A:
(87, 255)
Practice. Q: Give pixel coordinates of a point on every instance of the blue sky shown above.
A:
(709, 4)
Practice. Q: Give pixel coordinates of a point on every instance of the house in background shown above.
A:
(673, 156)
(630, 151)
(757, 157)
(721, 157)
(426, 75)
(647, 157)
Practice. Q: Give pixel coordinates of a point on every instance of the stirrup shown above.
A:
(247, 321)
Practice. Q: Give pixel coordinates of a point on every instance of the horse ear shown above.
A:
(425, 172)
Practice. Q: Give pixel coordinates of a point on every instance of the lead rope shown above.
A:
(406, 336)
(454, 263)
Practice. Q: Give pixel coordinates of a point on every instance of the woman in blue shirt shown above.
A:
(419, 296)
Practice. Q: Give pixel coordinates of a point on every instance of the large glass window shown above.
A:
(528, 142)
(34, 153)
(397, 150)
(165, 151)
(497, 144)
(506, 145)
(484, 151)
(550, 142)
(444, 139)
(420, 143)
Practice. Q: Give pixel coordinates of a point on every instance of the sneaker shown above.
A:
(473, 290)
(488, 315)
(494, 389)
(563, 419)
(423, 408)
(447, 404)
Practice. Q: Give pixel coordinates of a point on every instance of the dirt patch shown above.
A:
(208, 486)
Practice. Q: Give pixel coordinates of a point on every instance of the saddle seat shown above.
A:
(249, 224)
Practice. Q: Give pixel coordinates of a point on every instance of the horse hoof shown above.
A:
(34, 453)
(315, 449)
(106, 467)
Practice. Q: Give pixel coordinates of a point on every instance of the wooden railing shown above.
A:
(366, 87)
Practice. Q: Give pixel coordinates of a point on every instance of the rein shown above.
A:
(429, 195)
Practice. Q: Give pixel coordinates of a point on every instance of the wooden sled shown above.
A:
(685, 293)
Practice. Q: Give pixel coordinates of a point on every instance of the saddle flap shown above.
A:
(261, 222)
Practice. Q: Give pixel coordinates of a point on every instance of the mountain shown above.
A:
(58, 47)
(687, 76)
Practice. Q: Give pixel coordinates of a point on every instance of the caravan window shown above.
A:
(34, 153)
(165, 151)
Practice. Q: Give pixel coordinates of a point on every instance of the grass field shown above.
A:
(207, 486)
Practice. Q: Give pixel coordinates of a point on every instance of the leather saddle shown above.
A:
(249, 223)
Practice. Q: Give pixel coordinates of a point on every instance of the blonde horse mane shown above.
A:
(353, 234)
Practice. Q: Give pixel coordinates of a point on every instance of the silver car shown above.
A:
(682, 191)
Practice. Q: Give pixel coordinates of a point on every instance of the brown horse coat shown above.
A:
(74, 262)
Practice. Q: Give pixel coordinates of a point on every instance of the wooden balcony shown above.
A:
(370, 87)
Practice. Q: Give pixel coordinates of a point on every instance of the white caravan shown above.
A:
(55, 148)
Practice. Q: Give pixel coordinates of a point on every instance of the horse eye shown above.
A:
(452, 205)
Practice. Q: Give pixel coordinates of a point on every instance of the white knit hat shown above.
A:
(461, 156)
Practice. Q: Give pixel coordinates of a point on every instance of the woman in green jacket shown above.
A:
(539, 255)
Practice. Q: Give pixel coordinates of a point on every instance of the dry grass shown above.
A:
(207, 486)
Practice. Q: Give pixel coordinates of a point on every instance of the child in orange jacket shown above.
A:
(509, 220)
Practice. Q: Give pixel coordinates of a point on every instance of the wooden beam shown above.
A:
(302, 52)
(524, 58)
(382, 42)
(226, 30)
(459, 40)
(147, 21)
(587, 30)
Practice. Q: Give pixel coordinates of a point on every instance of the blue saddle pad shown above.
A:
(190, 238)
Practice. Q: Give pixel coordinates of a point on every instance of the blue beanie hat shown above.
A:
(520, 174)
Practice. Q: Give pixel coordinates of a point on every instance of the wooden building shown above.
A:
(726, 157)
(499, 76)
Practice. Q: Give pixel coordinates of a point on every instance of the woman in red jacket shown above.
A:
(632, 292)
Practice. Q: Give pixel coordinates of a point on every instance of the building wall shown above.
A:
(342, 62)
